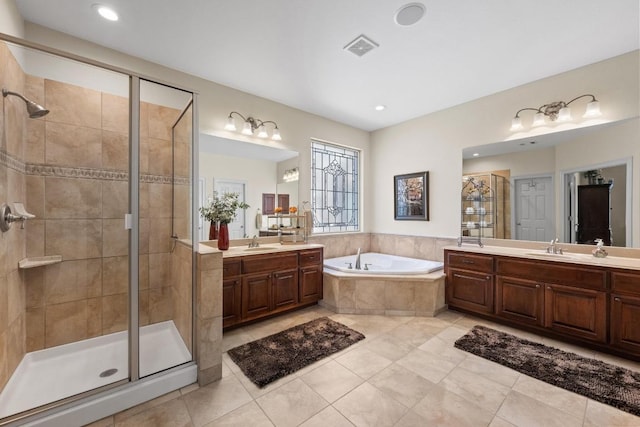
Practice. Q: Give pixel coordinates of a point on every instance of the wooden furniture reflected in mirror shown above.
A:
(269, 203)
(594, 213)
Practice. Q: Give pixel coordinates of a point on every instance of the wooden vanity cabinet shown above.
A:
(310, 276)
(625, 311)
(571, 300)
(470, 282)
(231, 293)
(256, 286)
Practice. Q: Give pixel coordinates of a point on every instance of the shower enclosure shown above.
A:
(92, 305)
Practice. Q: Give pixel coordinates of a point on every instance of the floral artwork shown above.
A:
(411, 193)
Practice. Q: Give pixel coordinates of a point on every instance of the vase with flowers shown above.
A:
(294, 219)
(223, 210)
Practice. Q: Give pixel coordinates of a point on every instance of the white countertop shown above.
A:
(540, 254)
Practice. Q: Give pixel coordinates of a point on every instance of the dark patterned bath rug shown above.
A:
(597, 380)
(278, 355)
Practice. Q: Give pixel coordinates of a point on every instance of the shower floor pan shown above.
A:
(55, 373)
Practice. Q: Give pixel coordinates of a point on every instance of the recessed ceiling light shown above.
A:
(106, 12)
(409, 14)
(380, 107)
(476, 154)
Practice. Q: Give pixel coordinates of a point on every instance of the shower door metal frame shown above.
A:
(53, 408)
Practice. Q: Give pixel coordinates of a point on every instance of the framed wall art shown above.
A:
(411, 196)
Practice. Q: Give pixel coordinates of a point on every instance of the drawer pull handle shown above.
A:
(488, 277)
(467, 261)
(549, 287)
(616, 299)
(538, 286)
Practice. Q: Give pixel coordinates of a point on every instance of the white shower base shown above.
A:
(55, 373)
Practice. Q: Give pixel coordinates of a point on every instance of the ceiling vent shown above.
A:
(361, 45)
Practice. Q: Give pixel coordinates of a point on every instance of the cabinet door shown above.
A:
(520, 300)
(310, 284)
(231, 301)
(256, 295)
(469, 290)
(284, 289)
(625, 318)
(576, 312)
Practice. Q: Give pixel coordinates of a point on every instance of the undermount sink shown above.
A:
(259, 248)
(551, 255)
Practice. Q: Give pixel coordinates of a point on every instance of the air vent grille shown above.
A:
(361, 45)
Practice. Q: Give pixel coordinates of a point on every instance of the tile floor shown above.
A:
(405, 373)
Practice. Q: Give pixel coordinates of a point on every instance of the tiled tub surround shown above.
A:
(69, 168)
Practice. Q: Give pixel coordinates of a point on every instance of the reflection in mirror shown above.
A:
(249, 168)
(559, 186)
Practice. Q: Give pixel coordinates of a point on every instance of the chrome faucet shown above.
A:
(254, 242)
(358, 260)
(553, 247)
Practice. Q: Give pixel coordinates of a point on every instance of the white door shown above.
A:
(237, 229)
(534, 215)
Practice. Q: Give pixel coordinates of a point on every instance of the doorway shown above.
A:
(237, 228)
(533, 208)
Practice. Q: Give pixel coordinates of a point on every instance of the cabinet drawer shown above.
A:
(230, 268)
(480, 263)
(310, 257)
(574, 275)
(258, 263)
(625, 282)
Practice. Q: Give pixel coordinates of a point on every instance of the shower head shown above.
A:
(34, 110)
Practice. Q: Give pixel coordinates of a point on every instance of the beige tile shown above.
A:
(143, 271)
(400, 295)
(16, 296)
(4, 304)
(115, 150)
(72, 198)
(172, 413)
(115, 275)
(159, 270)
(475, 388)
(114, 313)
(370, 294)
(327, 417)
(368, 406)
(159, 201)
(160, 304)
(331, 380)
(522, 410)
(143, 307)
(115, 199)
(160, 121)
(4, 366)
(599, 414)
(115, 238)
(401, 384)
(390, 346)
(94, 317)
(105, 422)
(490, 370)
(165, 398)
(445, 350)
(83, 111)
(160, 155)
(72, 145)
(209, 296)
(115, 113)
(291, 404)
(209, 333)
(499, 422)
(247, 415)
(432, 367)
(16, 345)
(564, 400)
(73, 281)
(34, 284)
(414, 334)
(65, 323)
(160, 235)
(215, 400)
(34, 202)
(441, 407)
(73, 239)
(363, 362)
(35, 329)
(35, 238)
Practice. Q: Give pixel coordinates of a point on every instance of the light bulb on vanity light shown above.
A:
(538, 119)
(231, 124)
(276, 135)
(593, 110)
(246, 129)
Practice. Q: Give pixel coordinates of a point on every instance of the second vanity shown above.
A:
(574, 297)
(266, 280)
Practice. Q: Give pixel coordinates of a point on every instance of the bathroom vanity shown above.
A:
(263, 281)
(573, 297)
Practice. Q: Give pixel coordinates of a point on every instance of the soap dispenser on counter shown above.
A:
(599, 251)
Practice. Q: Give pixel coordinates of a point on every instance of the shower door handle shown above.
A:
(128, 221)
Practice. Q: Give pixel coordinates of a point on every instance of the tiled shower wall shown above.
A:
(12, 243)
(70, 169)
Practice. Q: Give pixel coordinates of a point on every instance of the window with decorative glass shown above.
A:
(334, 187)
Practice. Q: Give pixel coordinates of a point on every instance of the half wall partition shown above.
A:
(90, 305)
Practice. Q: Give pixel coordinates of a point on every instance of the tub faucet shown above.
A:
(358, 260)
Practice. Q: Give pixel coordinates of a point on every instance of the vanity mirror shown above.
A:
(548, 178)
(250, 169)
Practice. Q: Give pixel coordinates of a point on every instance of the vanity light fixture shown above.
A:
(291, 175)
(557, 111)
(250, 125)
